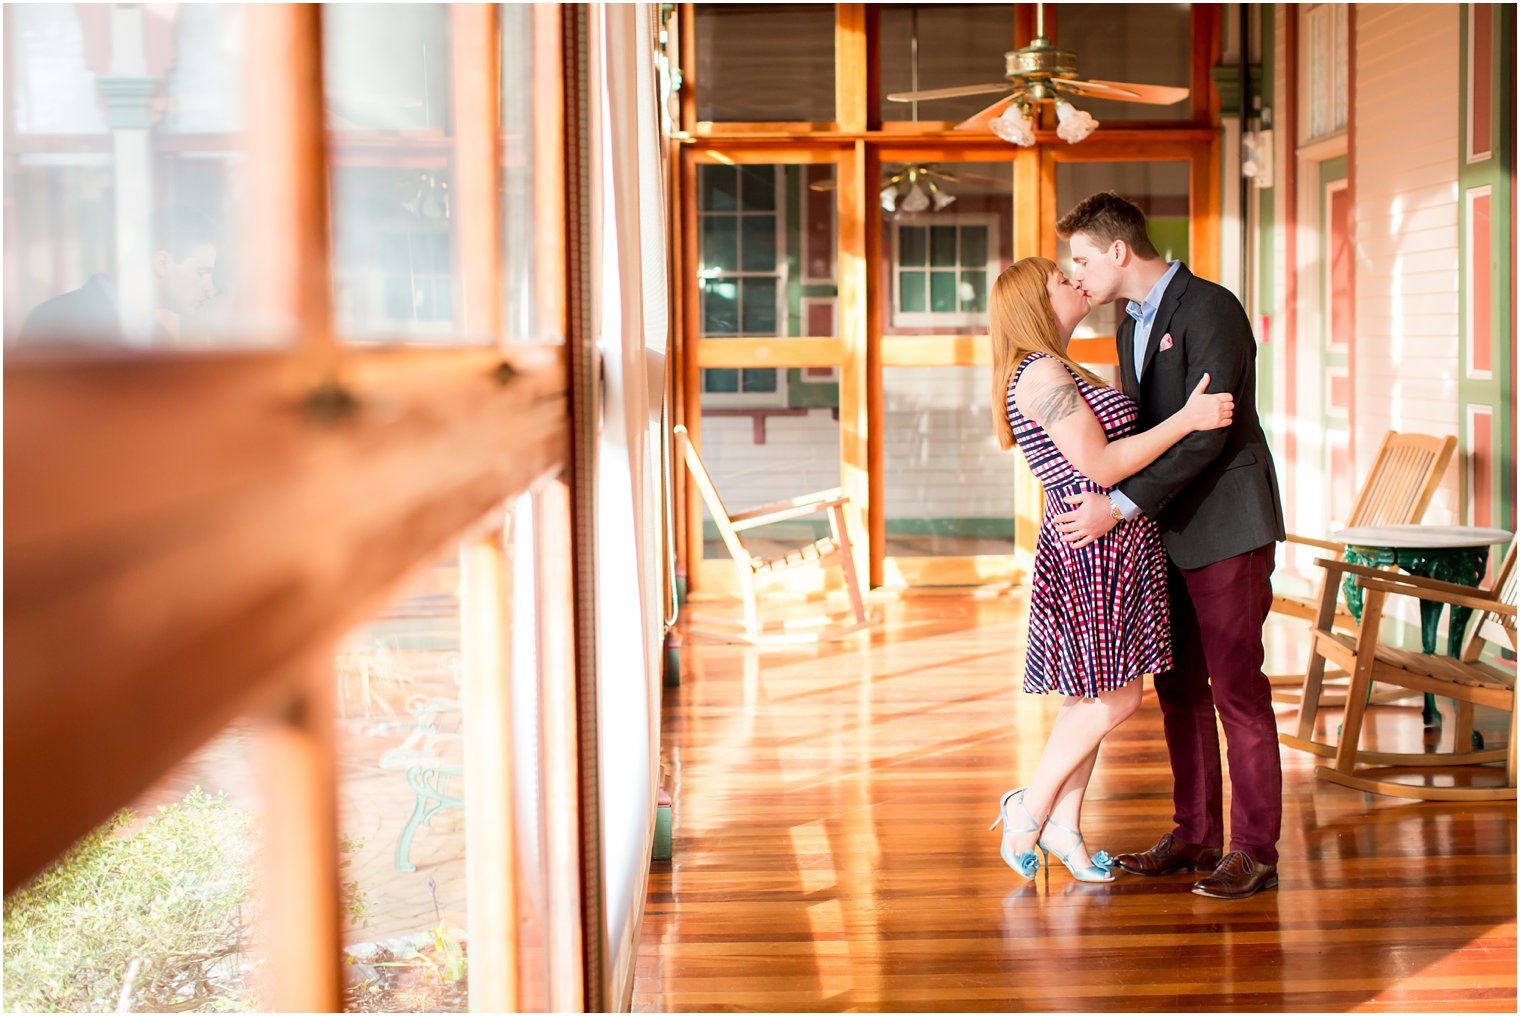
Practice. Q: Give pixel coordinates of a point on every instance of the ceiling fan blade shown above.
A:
(1124, 91)
(974, 179)
(949, 93)
(979, 121)
(822, 185)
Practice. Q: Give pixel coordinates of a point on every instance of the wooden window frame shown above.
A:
(859, 143)
(164, 580)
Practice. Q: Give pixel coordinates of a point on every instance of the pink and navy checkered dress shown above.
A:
(1098, 615)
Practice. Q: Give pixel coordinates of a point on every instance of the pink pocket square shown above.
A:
(1166, 342)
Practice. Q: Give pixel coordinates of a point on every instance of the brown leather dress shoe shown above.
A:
(1237, 877)
(1169, 855)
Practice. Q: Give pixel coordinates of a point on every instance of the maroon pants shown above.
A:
(1217, 617)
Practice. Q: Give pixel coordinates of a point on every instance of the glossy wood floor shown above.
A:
(832, 853)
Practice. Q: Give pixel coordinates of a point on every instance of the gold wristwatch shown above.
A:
(1113, 510)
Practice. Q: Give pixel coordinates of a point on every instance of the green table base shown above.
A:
(1462, 565)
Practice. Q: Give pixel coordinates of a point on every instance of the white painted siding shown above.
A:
(1407, 258)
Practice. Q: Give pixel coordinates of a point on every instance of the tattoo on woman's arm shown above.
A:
(1055, 404)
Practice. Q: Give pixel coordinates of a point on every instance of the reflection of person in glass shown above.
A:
(1215, 500)
(184, 266)
(1098, 612)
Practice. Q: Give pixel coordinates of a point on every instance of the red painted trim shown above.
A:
(1481, 468)
(1480, 57)
(1480, 239)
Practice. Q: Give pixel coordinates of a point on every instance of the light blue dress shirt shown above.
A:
(1144, 314)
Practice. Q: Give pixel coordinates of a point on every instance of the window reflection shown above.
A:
(947, 231)
(389, 106)
(765, 62)
(1106, 39)
(941, 46)
(123, 166)
(1159, 189)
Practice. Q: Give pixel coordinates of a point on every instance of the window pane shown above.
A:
(765, 62)
(387, 79)
(773, 251)
(914, 241)
(720, 307)
(123, 178)
(759, 306)
(759, 379)
(956, 44)
(942, 292)
(968, 229)
(942, 252)
(720, 380)
(757, 458)
(520, 256)
(949, 488)
(973, 246)
(1105, 38)
(1160, 189)
(719, 186)
(720, 243)
(757, 188)
(401, 802)
(759, 243)
(169, 883)
(974, 291)
(914, 291)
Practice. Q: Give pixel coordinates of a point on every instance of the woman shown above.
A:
(1098, 613)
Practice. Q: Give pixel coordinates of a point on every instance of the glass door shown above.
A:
(952, 502)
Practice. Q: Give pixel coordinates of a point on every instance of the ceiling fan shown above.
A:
(1041, 72)
(921, 186)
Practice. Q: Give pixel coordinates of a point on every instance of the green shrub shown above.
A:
(168, 893)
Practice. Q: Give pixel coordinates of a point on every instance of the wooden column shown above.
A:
(287, 224)
(297, 773)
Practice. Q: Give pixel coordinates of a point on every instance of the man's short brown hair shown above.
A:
(1106, 217)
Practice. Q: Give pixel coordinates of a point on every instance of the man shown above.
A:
(184, 266)
(1214, 497)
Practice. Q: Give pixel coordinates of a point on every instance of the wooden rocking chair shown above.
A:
(1399, 487)
(750, 567)
(1466, 679)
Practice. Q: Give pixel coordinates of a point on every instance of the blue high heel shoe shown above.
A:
(1099, 871)
(1025, 862)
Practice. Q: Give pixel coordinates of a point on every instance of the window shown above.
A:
(1324, 77)
(941, 270)
(739, 219)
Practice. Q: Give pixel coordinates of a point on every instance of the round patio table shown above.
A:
(1449, 553)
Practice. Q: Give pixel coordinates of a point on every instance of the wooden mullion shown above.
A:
(686, 41)
(691, 375)
(476, 67)
(485, 574)
(548, 172)
(555, 592)
(286, 222)
(295, 767)
(857, 103)
(855, 273)
(738, 153)
(820, 351)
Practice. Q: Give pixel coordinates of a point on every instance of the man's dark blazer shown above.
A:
(1214, 493)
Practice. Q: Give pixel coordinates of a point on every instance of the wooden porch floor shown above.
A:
(832, 852)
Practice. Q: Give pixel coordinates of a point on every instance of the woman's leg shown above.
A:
(1061, 778)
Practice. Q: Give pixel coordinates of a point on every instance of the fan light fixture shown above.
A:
(1074, 124)
(1014, 126)
(1041, 73)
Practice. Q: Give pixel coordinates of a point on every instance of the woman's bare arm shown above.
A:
(1047, 394)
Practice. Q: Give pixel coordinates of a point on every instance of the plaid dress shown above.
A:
(1098, 616)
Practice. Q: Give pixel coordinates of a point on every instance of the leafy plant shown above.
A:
(155, 912)
(157, 904)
